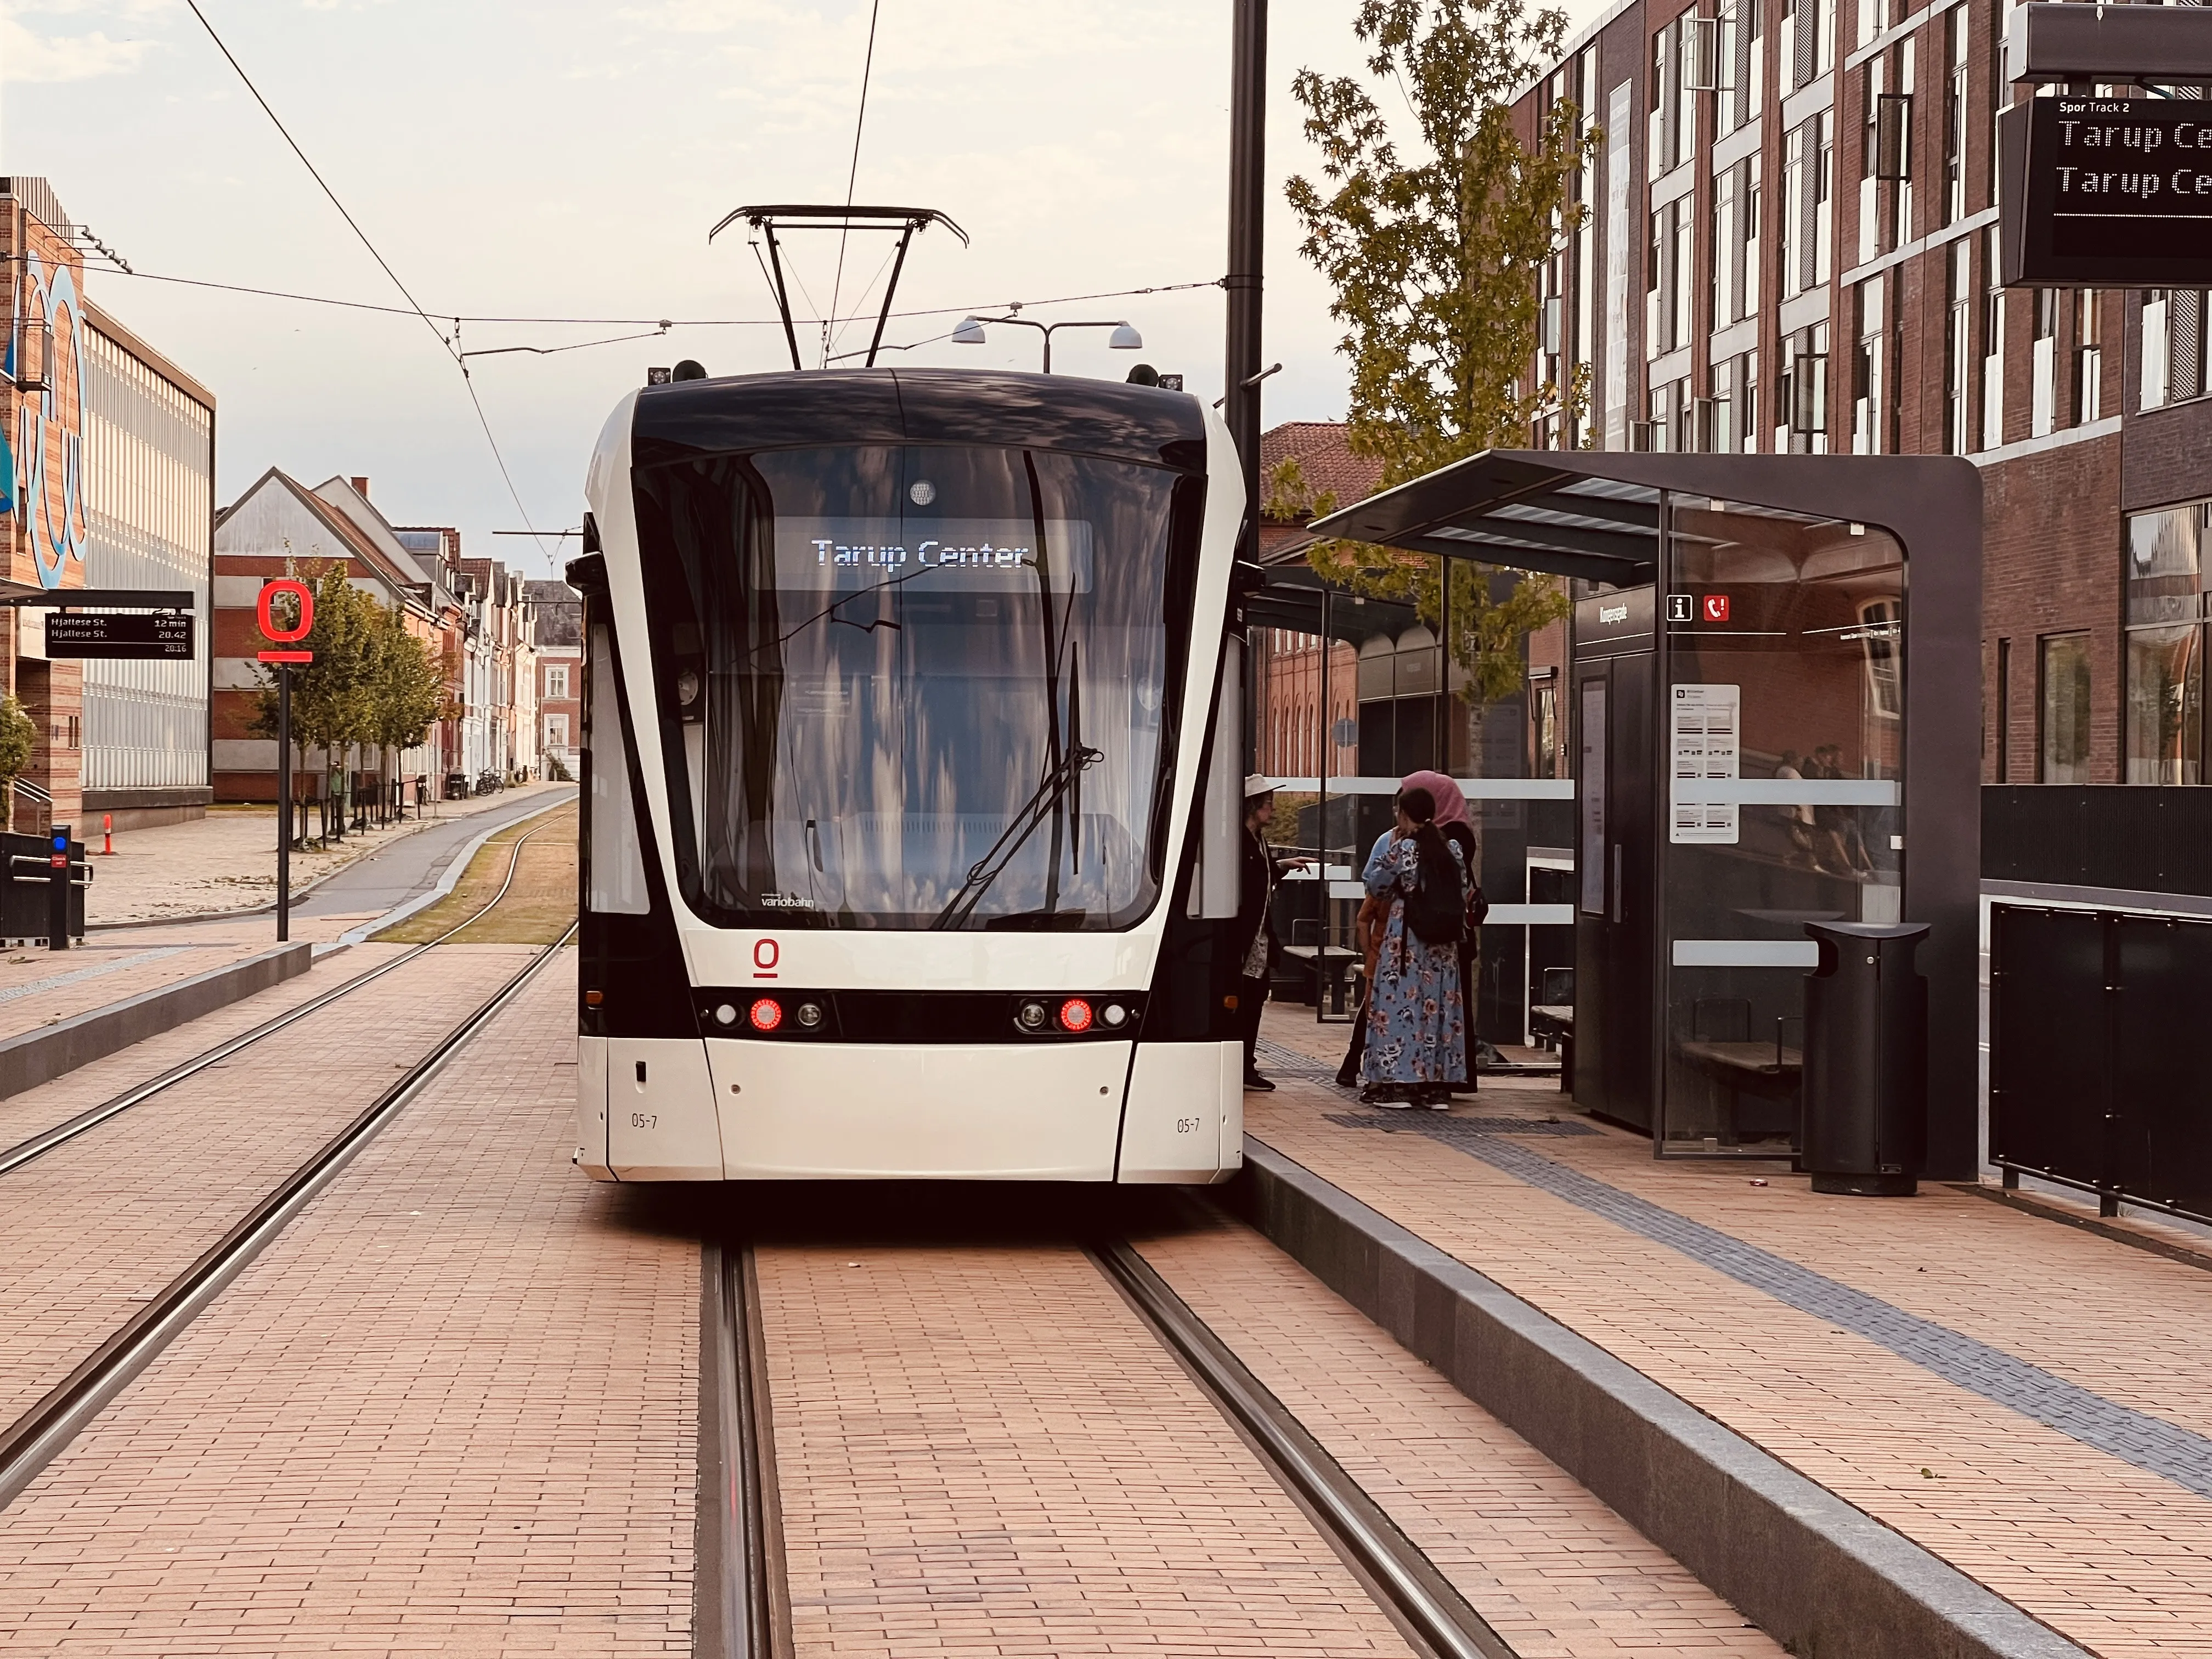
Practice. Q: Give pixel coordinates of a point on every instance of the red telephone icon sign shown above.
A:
(1717, 607)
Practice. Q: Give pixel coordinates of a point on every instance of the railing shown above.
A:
(2097, 1068)
(2120, 836)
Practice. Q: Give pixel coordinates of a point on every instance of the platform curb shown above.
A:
(35, 1057)
(1819, 1575)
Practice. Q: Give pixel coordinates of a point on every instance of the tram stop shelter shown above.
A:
(1774, 692)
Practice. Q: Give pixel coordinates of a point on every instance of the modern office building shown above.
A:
(149, 486)
(1788, 244)
(106, 480)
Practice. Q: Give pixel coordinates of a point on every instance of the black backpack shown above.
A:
(1436, 910)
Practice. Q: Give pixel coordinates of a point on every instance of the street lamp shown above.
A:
(1123, 339)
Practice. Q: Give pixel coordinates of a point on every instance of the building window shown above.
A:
(1544, 714)
(1954, 118)
(556, 679)
(1867, 368)
(2004, 711)
(1742, 64)
(1880, 621)
(2043, 398)
(2088, 358)
(1808, 44)
(556, 731)
(1993, 332)
(2172, 346)
(2164, 708)
(2062, 722)
(1959, 348)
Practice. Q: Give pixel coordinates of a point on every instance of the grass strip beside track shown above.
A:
(536, 910)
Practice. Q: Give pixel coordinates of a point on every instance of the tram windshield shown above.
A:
(918, 687)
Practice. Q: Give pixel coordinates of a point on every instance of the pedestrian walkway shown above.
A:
(227, 861)
(2024, 1400)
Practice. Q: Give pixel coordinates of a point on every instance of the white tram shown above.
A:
(912, 745)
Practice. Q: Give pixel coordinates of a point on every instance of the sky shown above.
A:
(557, 160)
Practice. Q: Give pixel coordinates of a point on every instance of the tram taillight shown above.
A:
(766, 1014)
(1075, 1015)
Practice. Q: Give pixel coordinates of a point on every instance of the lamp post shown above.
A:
(970, 332)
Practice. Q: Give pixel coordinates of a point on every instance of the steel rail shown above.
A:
(32, 1441)
(734, 1605)
(39, 1144)
(1395, 1570)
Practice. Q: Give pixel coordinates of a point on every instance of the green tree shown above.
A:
(1434, 254)
(19, 735)
(409, 689)
(331, 696)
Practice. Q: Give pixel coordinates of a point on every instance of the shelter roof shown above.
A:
(1595, 514)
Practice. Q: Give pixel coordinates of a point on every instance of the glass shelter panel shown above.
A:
(1784, 668)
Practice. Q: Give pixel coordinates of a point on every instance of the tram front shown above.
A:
(899, 688)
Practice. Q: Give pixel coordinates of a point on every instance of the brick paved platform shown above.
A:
(98, 1224)
(449, 1411)
(40, 988)
(2025, 1401)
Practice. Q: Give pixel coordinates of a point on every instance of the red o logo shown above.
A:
(766, 955)
(269, 628)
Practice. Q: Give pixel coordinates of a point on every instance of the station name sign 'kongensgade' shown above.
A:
(2107, 192)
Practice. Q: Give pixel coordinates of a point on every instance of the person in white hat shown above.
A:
(1262, 867)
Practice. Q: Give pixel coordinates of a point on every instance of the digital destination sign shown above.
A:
(2107, 192)
(968, 556)
(97, 634)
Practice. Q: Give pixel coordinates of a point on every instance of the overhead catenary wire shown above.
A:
(452, 346)
(852, 174)
(644, 322)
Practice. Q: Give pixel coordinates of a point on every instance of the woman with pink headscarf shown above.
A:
(1457, 828)
(1453, 822)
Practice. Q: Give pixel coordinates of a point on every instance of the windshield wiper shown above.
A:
(1041, 805)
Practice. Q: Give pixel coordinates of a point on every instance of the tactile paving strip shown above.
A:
(2148, 1443)
(1453, 1130)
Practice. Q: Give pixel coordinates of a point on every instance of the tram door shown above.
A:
(1615, 680)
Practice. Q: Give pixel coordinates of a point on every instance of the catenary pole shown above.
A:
(283, 803)
(1247, 200)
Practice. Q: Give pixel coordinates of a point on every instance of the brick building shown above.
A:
(557, 633)
(107, 481)
(1789, 246)
(1287, 670)
(279, 528)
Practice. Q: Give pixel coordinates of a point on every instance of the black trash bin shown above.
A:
(1866, 1060)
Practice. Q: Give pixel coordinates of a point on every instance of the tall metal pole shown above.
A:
(1248, 201)
(283, 802)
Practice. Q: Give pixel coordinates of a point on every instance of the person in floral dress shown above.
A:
(1416, 1014)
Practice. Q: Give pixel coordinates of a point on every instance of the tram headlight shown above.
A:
(1113, 1013)
(687, 688)
(810, 1014)
(1032, 1016)
(725, 1013)
(766, 1014)
(1075, 1015)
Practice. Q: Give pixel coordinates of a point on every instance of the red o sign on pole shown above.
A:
(281, 636)
(274, 632)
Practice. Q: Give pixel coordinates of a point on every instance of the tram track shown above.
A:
(36, 1147)
(33, 1439)
(741, 1604)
